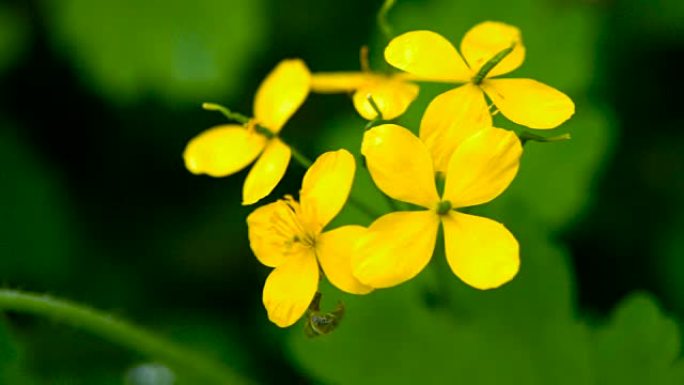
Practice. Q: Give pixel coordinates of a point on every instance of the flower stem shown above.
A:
(383, 24)
(528, 136)
(300, 158)
(183, 360)
(226, 112)
(491, 63)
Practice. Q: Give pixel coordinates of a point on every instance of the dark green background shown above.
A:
(98, 99)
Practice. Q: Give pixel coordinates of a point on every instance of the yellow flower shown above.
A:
(397, 246)
(288, 235)
(430, 56)
(392, 93)
(224, 150)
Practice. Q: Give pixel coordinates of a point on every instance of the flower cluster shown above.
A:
(457, 148)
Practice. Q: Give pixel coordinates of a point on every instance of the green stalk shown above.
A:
(491, 63)
(182, 360)
(383, 24)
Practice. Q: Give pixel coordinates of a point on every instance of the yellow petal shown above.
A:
(261, 229)
(395, 248)
(392, 96)
(334, 82)
(451, 118)
(485, 40)
(326, 187)
(266, 172)
(400, 164)
(427, 55)
(281, 94)
(482, 167)
(335, 249)
(290, 288)
(480, 251)
(222, 150)
(529, 102)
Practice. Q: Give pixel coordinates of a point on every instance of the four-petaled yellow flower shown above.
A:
(288, 236)
(397, 246)
(460, 112)
(392, 93)
(226, 149)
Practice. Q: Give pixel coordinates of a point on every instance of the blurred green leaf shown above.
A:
(37, 236)
(175, 50)
(12, 369)
(524, 333)
(639, 346)
(669, 263)
(556, 180)
(646, 18)
(13, 36)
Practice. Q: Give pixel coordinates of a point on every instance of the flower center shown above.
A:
(289, 232)
(443, 207)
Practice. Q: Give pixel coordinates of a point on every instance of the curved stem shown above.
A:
(383, 24)
(181, 359)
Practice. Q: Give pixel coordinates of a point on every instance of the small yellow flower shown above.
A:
(397, 246)
(224, 150)
(392, 93)
(430, 56)
(288, 235)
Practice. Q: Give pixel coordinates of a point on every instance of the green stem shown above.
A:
(491, 63)
(300, 158)
(527, 136)
(383, 24)
(226, 112)
(378, 114)
(179, 358)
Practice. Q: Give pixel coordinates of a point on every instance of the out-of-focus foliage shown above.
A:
(177, 50)
(96, 205)
(639, 346)
(12, 368)
(37, 235)
(13, 36)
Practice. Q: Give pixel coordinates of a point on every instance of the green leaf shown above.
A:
(524, 333)
(12, 368)
(556, 180)
(13, 36)
(639, 346)
(177, 50)
(37, 236)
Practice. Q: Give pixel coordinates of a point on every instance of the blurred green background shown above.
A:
(98, 99)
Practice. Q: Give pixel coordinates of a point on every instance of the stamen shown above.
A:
(287, 228)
